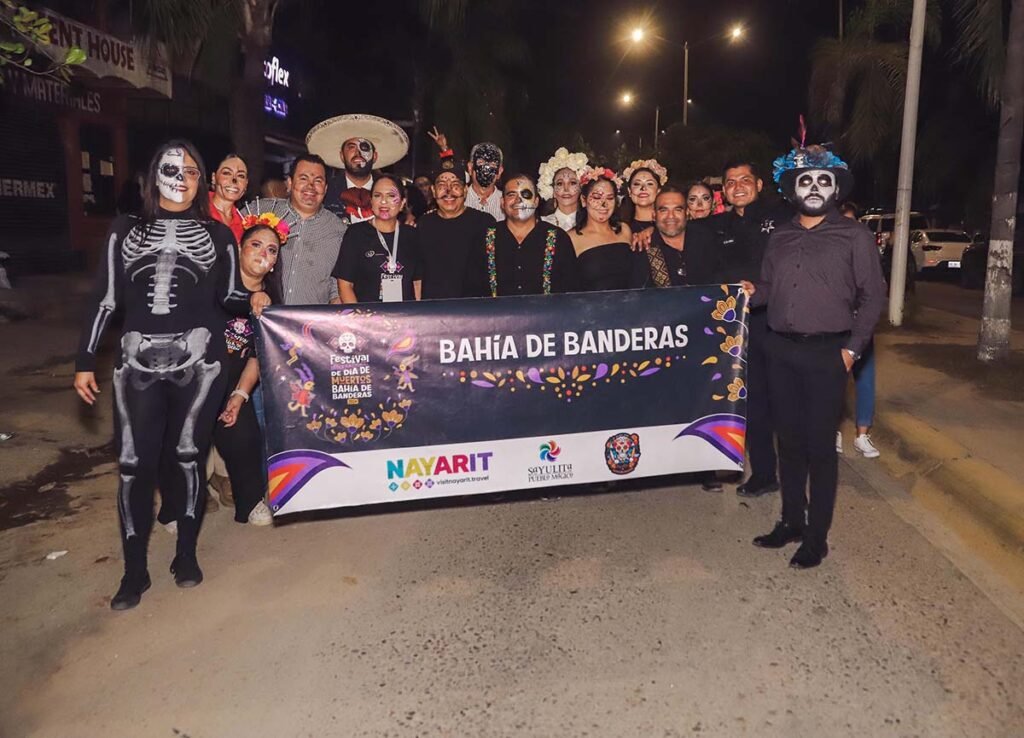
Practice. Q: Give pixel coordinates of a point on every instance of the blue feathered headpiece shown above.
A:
(803, 157)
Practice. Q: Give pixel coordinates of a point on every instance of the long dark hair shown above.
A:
(200, 208)
(627, 210)
(582, 213)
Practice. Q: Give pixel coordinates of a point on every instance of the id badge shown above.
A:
(391, 288)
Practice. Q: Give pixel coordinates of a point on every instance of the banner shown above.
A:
(400, 401)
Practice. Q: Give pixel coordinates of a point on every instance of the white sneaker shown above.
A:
(863, 444)
(839, 442)
(261, 515)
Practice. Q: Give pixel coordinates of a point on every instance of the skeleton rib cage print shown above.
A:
(173, 278)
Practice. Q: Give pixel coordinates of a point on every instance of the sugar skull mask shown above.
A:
(170, 175)
(815, 191)
(520, 199)
(485, 161)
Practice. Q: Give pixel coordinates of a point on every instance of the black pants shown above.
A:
(807, 382)
(760, 428)
(241, 446)
(155, 418)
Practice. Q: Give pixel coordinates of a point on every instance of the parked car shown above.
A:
(935, 249)
(883, 225)
(974, 262)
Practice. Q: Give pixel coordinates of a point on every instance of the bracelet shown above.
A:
(446, 153)
(241, 393)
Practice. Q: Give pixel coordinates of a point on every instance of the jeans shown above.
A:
(864, 383)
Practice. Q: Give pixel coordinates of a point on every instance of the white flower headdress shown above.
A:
(660, 172)
(562, 159)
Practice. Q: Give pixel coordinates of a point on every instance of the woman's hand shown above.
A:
(86, 387)
(642, 240)
(439, 138)
(230, 415)
(258, 301)
(749, 287)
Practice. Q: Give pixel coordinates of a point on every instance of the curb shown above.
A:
(991, 497)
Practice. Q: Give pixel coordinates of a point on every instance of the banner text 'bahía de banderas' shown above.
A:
(401, 401)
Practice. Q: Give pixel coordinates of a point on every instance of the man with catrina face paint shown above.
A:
(355, 145)
(522, 256)
(822, 282)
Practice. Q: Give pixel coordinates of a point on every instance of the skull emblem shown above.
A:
(347, 343)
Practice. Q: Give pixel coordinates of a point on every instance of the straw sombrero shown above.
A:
(326, 137)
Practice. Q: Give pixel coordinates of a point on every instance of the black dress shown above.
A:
(606, 267)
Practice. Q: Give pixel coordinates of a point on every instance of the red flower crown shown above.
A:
(267, 219)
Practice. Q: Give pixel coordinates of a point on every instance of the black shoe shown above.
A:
(711, 485)
(129, 594)
(809, 555)
(781, 534)
(186, 570)
(752, 488)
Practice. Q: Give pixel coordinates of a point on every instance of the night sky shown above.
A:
(354, 58)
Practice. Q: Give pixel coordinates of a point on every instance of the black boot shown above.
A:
(185, 566)
(756, 488)
(809, 555)
(781, 534)
(129, 594)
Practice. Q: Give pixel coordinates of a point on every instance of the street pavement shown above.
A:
(637, 611)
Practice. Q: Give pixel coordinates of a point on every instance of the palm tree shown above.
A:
(1001, 75)
(857, 82)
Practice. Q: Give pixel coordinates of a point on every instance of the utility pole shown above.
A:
(905, 182)
(657, 125)
(686, 83)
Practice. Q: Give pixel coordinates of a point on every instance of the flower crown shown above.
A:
(651, 164)
(562, 159)
(591, 173)
(270, 220)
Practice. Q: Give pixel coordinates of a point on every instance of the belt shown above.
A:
(812, 337)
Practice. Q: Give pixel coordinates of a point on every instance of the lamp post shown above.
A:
(637, 35)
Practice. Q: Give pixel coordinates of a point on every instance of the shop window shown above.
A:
(99, 196)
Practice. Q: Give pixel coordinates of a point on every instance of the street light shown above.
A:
(735, 33)
(627, 98)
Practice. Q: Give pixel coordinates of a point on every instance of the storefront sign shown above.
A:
(109, 56)
(51, 92)
(403, 401)
(275, 106)
(275, 73)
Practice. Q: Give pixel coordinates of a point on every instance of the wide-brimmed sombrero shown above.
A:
(326, 137)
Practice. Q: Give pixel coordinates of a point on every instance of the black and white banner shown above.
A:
(401, 401)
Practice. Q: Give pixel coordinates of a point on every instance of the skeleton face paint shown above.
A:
(519, 200)
(486, 162)
(815, 191)
(359, 156)
(170, 175)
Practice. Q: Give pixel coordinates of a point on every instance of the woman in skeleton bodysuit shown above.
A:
(167, 271)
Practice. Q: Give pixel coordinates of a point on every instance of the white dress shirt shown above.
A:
(564, 221)
(491, 206)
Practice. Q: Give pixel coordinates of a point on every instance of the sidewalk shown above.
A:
(950, 431)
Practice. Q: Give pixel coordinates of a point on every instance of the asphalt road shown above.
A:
(633, 613)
